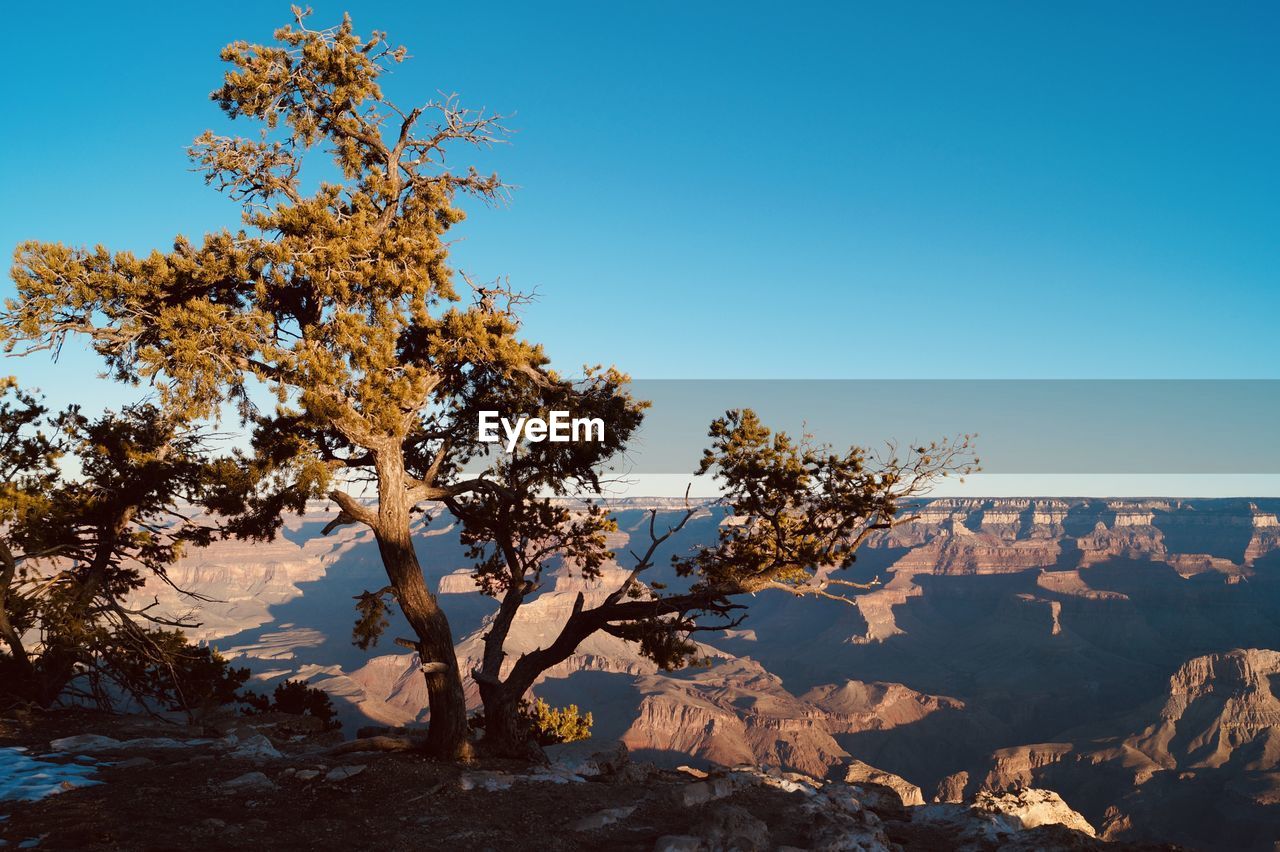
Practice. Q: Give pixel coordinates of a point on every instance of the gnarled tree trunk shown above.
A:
(447, 735)
(504, 734)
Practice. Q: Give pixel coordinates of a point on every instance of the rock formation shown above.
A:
(1214, 741)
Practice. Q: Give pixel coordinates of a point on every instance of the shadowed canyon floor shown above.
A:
(1121, 653)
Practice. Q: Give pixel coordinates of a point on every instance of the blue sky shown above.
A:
(714, 190)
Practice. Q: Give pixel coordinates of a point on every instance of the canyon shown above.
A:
(1124, 654)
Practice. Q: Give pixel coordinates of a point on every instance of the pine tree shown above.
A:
(797, 514)
(75, 547)
(337, 294)
(338, 297)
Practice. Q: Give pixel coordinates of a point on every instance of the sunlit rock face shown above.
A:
(994, 624)
(736, 712)
(1200, 766)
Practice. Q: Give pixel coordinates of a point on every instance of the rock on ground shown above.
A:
(600, 819)
(730, 827)
(90, 743)
(342, 773)
(1032, 808)
(250, 782)
(256, 748)
(999, 818)
(857, 772)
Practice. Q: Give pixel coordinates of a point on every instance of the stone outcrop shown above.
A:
(730, 714)
(843, 816)
(1031, 809)
(951, 789)
(861, 774)
(998, 820)
(858, 706)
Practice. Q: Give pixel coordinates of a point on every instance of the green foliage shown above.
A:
(342, 301)
(372, 611)
(537, 721)
(552, 725)
(666, 641)
(74, 550)
(31, 444)
(800, 509)
(28, 456)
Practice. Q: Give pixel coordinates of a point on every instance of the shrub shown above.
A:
(163, 666)
(296, 698)
(544, 724)
(552, 725)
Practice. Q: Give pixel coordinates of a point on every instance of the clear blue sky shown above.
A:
(758, 190)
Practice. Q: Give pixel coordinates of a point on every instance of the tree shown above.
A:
(73, 549)
(28, 472)
(336, 294)
(799, 512)
(297, 698)
(339, 299)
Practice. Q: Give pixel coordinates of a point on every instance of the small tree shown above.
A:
(74, 549)
(540, 724)
(28, 473)
(338, 297)
(336, 294)
(297, 698)
(555, 725)
(799, 512)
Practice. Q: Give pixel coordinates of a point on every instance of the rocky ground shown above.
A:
(276, 783)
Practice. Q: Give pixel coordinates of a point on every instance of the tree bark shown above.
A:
(447, 735)
(21, 683)
(8, 570)
(504, 736)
